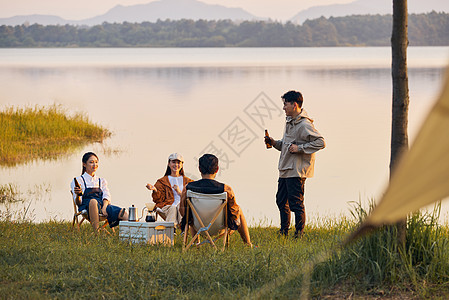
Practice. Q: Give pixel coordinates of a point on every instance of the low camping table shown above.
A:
(147, 232)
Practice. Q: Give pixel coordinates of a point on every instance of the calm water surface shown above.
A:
(159, 101)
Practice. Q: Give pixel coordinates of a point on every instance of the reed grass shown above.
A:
(15, 203)
(9, 193)
(43, 133)
(375, 265)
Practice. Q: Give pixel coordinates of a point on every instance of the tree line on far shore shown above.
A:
(429, 29)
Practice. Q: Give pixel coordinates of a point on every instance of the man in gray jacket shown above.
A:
(298, 146)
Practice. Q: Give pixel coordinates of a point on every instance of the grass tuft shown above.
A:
(43, 133)
(9, 193)
(375, 265)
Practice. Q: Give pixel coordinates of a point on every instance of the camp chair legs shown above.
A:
(225, 240)
(103, 228)
(75, 220)
(81, 214)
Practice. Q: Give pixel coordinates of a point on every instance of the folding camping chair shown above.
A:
(210, 209)
(84, 216)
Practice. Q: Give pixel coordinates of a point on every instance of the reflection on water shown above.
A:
(155, 109)
(16, 204)
(9, 193)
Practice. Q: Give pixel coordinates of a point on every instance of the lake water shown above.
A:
(196, 100)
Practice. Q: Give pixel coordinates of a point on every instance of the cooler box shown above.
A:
(147, 232)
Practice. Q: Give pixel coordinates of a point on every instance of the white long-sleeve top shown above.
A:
(91, 182)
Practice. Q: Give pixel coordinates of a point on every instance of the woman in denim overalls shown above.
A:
(93, 195)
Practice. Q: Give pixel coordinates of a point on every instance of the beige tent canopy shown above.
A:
(422, 176)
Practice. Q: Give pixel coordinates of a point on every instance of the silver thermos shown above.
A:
(132, 213)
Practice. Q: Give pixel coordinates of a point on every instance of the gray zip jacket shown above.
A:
(299, 131)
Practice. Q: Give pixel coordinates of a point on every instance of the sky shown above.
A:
(81, 9)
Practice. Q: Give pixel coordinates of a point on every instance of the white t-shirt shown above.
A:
(180, 183)
(91, 182)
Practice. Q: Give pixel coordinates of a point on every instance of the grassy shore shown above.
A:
(43, 133)
(48, 260)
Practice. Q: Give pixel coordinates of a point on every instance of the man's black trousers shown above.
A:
(290, 197)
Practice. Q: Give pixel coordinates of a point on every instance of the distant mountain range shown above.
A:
(195, 10)
(368, 7)
(170, 9)
(150, 12)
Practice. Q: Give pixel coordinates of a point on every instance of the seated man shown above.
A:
(208, 166)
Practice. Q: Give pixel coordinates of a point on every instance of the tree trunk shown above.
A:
(399, 136)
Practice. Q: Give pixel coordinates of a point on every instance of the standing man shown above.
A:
(298, 146)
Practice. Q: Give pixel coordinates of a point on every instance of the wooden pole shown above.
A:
(399, 135)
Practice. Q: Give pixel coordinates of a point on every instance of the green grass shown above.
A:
(48, 260)
(376, 265)
(43, 133)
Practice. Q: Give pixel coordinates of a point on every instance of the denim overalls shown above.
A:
(97, 194)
